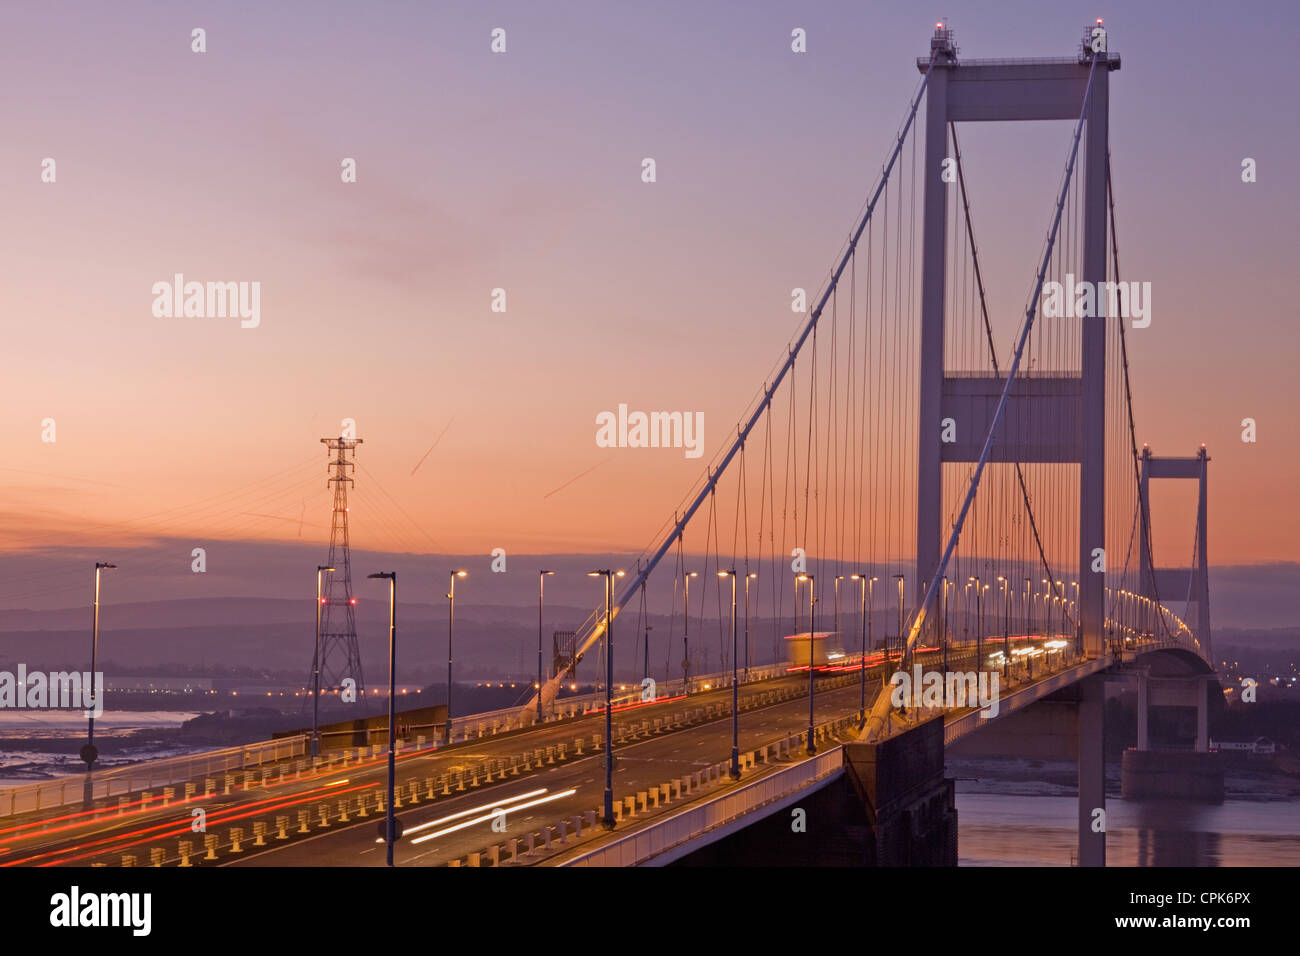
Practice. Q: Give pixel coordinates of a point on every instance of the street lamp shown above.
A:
(900, 579)
(88, 752)
(608, 821)
(315, 677)
(838, 579)
(812, 635)
(735, 686)
(391, 832)
(1061, 604)
(979, 621)
(946, 585)
(748, 577)
(686, 635)
(864, 585)
(451, 626)
(1006, 625)
(541, 588)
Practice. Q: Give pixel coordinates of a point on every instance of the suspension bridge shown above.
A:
(910, 435)
(984, 468)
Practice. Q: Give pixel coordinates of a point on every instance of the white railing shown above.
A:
(679, 830)
(146, 775)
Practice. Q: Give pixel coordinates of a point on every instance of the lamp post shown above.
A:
(392, 834)
(608, 821)
(812, 636)
(686, 635)
(541, 590)
(88, 752)
(451, 627)
(1060, 587)
(864, 585)
(748, 578)
(1029, 610)
(1006, 624)
(965, 614)
(1078, 618)
(979, 622)
(946, 585)
(315, 677)
(735, 685)
(900, 580)
(838, 579)
(1047, 607)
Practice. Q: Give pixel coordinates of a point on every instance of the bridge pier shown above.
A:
(1171, 772)
(1092, 772)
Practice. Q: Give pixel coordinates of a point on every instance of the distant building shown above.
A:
(1259, 747)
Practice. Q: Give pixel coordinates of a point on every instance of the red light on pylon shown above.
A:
(353, 601)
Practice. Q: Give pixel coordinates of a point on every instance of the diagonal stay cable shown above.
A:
(595, 622)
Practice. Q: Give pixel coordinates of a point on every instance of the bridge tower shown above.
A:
(1057, 418)
(1040, 409)
(340, 655)
(1170, 584)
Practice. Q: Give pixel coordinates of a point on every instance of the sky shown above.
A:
(522, 171)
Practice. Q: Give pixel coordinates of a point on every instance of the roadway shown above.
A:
(70, 836)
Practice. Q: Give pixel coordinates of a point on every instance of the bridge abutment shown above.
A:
(910, 804)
